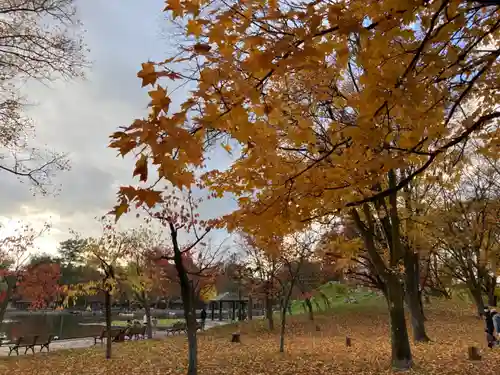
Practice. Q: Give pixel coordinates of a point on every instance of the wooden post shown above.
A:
(249, 307)
(234, 310)
(220, 310)
(348, 341)
(235, 337)
(212, 307)
(474, 353)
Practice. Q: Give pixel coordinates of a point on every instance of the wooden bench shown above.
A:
(116, 335)
(44, 342)
(179, 327)
(136, 332)
(26, 342)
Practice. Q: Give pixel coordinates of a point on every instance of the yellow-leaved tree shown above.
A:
(326, 106)
(105, 252)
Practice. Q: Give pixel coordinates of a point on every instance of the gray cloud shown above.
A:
(78, 117)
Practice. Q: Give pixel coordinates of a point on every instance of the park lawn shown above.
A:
(161, 322)
(308, 351)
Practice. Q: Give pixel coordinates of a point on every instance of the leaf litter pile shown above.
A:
(308, 351)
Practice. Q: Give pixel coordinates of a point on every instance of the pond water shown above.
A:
(68, 326)
(62, 325)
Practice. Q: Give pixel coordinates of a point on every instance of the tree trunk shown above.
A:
(284, 307)
(187, 294)
(393, 289)
(413, 296)
(3, 309)
(282, 329)
(269, 313)
(478, 299)
(5, 303)
(249, 307)
(107, 308)
(190, 317)
(309, 308)
(492, 298)
(11, 285)
(400, 343)
(149, 326)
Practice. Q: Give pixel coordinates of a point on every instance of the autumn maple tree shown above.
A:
(38, 283)
(186, 261)
(143, 274)
(463, 227)
(328, 108)
(263, 262)
(105, 253)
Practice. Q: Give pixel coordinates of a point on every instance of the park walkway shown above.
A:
(89, 341)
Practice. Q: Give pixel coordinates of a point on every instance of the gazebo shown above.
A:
(229, 298)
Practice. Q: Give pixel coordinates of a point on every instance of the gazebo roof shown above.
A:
(228, 297)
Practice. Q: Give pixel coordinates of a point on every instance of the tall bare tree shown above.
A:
(39, 40)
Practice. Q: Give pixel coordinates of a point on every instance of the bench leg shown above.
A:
(32, 348)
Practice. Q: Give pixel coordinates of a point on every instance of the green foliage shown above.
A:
(72, 251)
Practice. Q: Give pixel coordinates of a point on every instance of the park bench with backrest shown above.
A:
(44, 342)
(136, 332)
(179, 327)
(26, 342)
(116, 335)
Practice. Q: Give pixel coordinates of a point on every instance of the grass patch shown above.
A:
(308, 351)
(336, 294)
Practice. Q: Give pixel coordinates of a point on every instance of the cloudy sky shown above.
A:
(77, 117)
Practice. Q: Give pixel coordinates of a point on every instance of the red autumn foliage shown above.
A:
(199, 276)
(39, 284)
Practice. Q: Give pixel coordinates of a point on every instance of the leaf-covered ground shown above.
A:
(308, 351)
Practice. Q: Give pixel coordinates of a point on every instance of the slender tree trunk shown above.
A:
(400, 343)
(3, 309)
(269, 312)
(309, 308)
(190, 317)
(282, 329)
(11, 285)
(107, 308)
(477, 296)
(492, 298)
(413, 296)
(249, 307)
(187, 294)
(393, 289)
(149, 326)
(5, 303)
(284, 307)
(325, 300)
